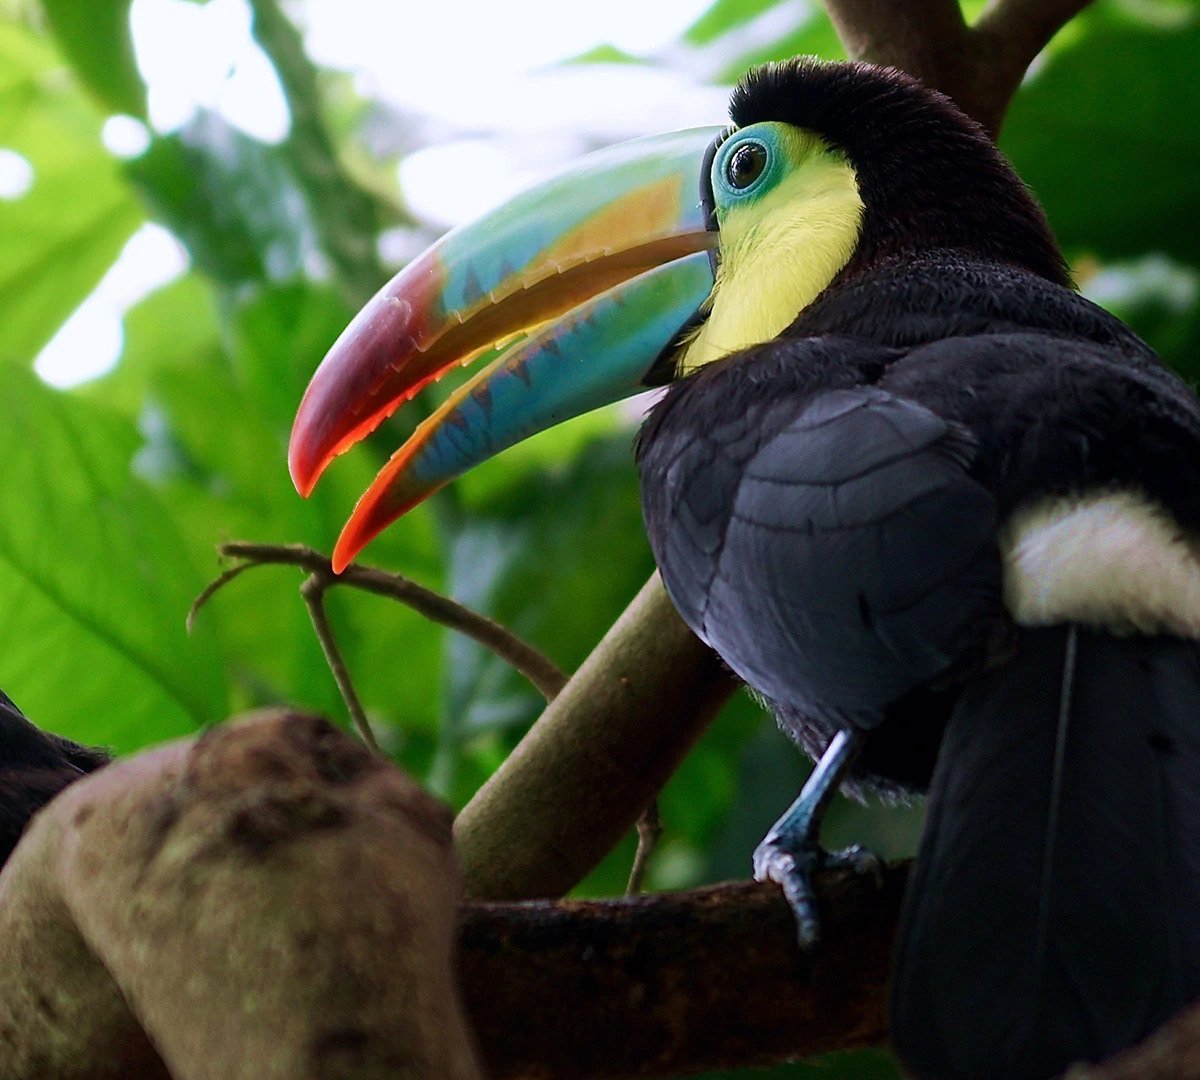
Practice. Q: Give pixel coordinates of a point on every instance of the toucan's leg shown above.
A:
(790, 853)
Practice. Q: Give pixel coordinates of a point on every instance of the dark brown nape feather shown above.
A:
(35, 766)
(930, 177)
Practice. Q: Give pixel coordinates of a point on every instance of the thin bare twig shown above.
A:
(649, 830)
(542, 672)
(211, 589)
(313, 592)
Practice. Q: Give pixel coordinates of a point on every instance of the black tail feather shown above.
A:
(1039, 931)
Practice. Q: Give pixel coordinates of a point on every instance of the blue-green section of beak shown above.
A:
(645, 187)
(598, 354)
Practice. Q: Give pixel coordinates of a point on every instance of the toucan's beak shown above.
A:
(587, 279)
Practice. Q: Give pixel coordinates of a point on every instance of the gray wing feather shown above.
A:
(858, 561)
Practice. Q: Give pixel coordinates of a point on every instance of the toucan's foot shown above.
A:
(791, 865)
(856, 859)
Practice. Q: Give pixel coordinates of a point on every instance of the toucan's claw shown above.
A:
(792, 869)
(858, 860)
(790, 854)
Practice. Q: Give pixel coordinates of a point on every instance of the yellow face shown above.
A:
(789, 215)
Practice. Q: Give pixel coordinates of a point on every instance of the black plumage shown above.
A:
(772, 518)
(1090, 882)
(826, 510)
(930, 178)
(35, 765)
(1050, 395)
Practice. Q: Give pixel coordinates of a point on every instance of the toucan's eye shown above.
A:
(745, 165)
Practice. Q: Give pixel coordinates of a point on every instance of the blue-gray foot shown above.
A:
(793, 866)
(790, 855)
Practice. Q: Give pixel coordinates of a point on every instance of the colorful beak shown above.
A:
(588, 279)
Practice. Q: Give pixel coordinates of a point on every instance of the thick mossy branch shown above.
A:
(269, 901)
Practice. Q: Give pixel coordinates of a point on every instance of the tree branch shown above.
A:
(980, 67)
(264, 902)
(1022, 28)
(671, 983)
(649, 832)
(579, 779)
(270, 900)
(923, 37)
(534, 665)
(313, 592)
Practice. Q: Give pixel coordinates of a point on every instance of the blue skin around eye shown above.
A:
(765, 137)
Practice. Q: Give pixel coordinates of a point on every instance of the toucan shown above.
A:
(936, 509)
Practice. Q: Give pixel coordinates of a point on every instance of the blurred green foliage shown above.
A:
(117, 491)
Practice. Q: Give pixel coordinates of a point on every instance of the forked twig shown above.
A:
(546, 676)
(313, 591)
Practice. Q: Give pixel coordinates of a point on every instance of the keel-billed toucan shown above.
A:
(910, 486)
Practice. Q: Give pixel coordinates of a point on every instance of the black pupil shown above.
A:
(747, 164)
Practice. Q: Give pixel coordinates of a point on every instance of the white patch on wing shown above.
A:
(1115, 560)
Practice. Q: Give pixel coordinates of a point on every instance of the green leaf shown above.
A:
(604, 54)
(1106, 135)
(233, 201)
(724, 16)
(555, 555)
(733, 36)
(95, 37)
(176, 325)
(216, 410)
(64, 233)
(94, 581)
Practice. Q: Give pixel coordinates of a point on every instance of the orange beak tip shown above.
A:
(344, 551)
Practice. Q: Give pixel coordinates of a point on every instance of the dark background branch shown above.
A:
(673, 983)
(980, 67)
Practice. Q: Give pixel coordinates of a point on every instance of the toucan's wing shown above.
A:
(1056, 415)
(855, 558)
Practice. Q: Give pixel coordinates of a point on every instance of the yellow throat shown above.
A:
(779, 249)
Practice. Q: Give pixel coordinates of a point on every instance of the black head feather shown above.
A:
(930, 178)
